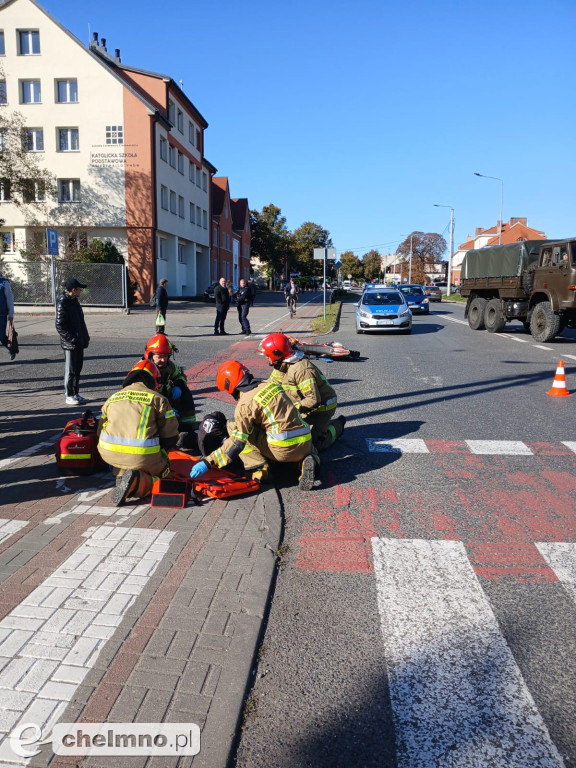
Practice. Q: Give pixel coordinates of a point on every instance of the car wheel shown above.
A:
(359, 331)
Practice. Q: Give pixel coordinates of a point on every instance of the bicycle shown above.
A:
(291, 304)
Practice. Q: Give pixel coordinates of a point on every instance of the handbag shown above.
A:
(12, 343)
(160, 319)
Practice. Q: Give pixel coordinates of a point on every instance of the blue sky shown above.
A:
(359, 116)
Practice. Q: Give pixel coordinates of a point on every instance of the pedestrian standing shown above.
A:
(161, 304)
(6, 311)
(242, 300)
(222, 300)
(74, 338)
(253, 291)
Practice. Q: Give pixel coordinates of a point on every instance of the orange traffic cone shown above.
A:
(559, 383)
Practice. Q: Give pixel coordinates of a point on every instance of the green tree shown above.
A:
(270, 238)
(304, 239)
(427, 249)
(372, 265)
(351, 265)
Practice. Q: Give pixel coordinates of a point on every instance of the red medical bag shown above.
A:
(77, 446)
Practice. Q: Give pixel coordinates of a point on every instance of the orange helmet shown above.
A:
(276, 347)
(150, 368)
(229, 375)
(158, 345)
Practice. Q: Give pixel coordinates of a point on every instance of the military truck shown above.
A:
(533, 281)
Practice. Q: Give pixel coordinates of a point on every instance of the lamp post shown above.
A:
(483, 176)
(451, 246)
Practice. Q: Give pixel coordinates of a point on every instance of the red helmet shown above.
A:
(150, 368)
(158, 345)
(229, 375)
(276, 347)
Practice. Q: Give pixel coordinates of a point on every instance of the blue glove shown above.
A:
(198, 469)
(176, 393)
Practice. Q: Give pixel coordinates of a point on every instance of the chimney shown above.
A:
(104, 43)
(95, 36)
(521, 220)
(478, 231)
(117, 55)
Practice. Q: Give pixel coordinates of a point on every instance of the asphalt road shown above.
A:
(424, 614)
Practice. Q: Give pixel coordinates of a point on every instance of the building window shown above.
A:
(68, 140)
(171, 112)
(8, 242)
(67, 91)
(205, 219)
(204, 181)
(172, 156)
(180, 163)
(164, 197)
(34, 191)
(180, 121)
(3, 94)
(5, 195)
(198, 140)
(163, 149)
(2, 47)
(181, 254)
(192, 213)
(33, 140)
(198, 177)
(114, 134)
(28, 42)
(191, 172)
(191, 133)
(30, 92)
(172, 201)
(180, 206)
(199, 217)
(162, 248)
(69, 190)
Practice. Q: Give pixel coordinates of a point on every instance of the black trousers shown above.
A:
(221, 313)
(73, 368)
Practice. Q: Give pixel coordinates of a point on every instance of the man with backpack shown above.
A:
(6, 312)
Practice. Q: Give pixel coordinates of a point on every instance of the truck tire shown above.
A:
(528, 279)
(493, 319)
(476, 314)
(544, 324)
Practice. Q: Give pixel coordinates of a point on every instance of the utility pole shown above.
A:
(410, 266)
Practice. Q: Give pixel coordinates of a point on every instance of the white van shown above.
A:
(346, 285)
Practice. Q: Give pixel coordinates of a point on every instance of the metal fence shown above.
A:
(41, 282)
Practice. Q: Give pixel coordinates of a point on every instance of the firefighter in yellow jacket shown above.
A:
(306, 386)
(266, 427)
(137, 428)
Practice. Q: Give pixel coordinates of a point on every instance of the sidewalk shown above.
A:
(132, 614)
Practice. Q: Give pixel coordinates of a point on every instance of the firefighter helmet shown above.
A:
(229, 375)
(276, 347)
(150, 368)
(158, 345)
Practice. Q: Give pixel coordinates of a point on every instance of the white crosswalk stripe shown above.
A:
(459, 699)
(52, 639)
(10, 527)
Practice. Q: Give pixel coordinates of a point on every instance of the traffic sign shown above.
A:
(338, 264)
(52, 241)
(319, 253)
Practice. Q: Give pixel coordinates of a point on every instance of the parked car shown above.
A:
(416, 298)
(434, 293)
(383, 309)
(209, 292)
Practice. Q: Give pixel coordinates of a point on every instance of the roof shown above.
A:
(219, 191)
(512, 231)
(239, 208)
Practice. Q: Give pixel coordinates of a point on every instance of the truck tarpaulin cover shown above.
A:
(500, 260)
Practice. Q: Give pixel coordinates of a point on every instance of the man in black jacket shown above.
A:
(242, 299)
(222, 300)
(162, 304)
(74, 338)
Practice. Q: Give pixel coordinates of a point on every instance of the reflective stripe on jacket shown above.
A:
(268, 408)
(306, 386)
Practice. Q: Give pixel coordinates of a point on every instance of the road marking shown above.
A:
(399, 445)
(572, 357)
(514, 338)
(561, 557)
(458, 696)
(570, 445)
(539, 346)
(52, 639)
(499, 447)
(26, 453)
(10, 527)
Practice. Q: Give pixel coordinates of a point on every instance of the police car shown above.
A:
(383, 308)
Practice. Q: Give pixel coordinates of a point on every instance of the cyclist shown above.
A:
(291, 294)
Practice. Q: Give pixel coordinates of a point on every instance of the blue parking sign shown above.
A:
(52, 241)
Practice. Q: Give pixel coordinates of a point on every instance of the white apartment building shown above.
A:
(126, 147)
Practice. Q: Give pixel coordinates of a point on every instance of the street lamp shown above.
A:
(449, 272)
(483, 176)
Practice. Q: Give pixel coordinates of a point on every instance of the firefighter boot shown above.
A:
(126, 485)
(307, 474)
